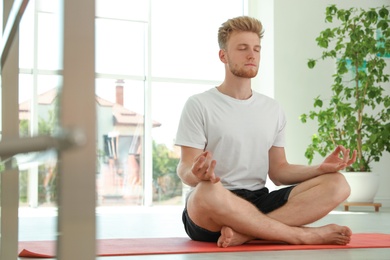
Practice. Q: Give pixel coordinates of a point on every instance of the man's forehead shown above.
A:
(244, 38)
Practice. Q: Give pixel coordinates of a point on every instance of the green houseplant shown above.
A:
(357, 113)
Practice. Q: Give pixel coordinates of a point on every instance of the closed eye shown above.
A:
(245, 47)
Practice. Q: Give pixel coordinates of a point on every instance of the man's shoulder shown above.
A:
(262, 96)
(202, 96)
(207, 93)
(259, 97)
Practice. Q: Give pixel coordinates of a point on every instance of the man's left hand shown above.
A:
(335, 163)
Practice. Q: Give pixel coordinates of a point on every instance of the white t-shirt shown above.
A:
(239, 134)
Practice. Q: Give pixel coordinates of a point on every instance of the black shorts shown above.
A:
(264, 200)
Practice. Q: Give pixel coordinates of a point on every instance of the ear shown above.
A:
(222, 56)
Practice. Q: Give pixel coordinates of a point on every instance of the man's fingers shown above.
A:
(212, 165)
(353, 159)
(346, 156)
(198, 164)
(337, 150)
(345, 153)
(210, 170)
(341, 166)
(203, 161)
(203, 167)
(215, 180)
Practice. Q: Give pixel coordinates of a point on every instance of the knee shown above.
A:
(207, 195)
(339, 186)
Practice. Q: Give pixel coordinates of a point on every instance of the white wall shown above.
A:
(295, 26)
(264, 10)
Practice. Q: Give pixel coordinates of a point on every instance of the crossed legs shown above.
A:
(214, 208)
(313, 199)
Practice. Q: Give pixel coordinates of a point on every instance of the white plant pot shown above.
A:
(364, 186)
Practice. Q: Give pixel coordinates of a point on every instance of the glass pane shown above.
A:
(120, 125)
(26, 38)
(120, 47)
(48, 41)
(47, 32)
(185, 42)
(123, 9)
(47, 5)
(38, 171)
(25, 97)
(43, 109)
(167, 185)
(38, 111)
(45, 83)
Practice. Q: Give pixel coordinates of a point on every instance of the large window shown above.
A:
(150, 57)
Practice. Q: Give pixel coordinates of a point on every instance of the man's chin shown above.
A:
(249, 75)
(246, 75)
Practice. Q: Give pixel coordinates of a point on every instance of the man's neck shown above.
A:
(236, 89)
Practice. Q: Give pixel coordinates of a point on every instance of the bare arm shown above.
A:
(283, 173)
(195, 166)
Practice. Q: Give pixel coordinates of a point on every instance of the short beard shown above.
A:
(241, 72)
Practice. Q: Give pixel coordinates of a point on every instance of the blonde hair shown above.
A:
(238, 24)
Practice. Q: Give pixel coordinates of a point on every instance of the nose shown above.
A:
(251, 55)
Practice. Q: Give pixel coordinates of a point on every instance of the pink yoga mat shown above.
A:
(183, 245)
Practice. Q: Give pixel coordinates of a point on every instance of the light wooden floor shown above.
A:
(165, 221)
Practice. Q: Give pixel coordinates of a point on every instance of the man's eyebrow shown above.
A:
(245, 44)
(256, 47)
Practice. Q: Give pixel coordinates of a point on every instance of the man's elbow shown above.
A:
(179, 173)
(276, 182)
(275, 179)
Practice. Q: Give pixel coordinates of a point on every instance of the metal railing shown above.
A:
(65, 140)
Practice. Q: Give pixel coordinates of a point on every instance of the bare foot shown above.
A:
(327, 235)
(229, 237)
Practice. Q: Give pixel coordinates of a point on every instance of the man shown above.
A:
(231, 139)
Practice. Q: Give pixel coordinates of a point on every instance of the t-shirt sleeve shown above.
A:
(280, 139)
(191, 126)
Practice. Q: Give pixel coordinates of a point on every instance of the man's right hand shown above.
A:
(203, 167)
